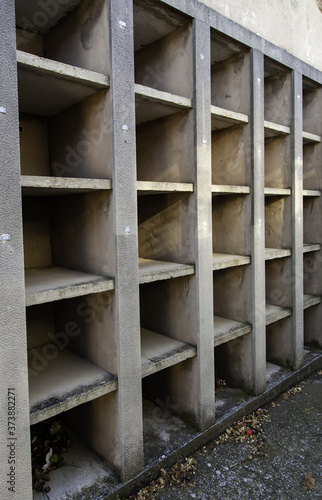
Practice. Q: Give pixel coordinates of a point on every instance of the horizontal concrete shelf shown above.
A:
(223, 260)
(308, 247)
(227, 189)
(156, 270)
(47, 87)
(147, 187)
(309, 138)
(275, 313)
(35, 185)
(56, 283)
(310, 300)
(274, 129)
(277, 253)
(276, 191)
(224, 118)
(227, 329)
(59, 384)
(151, 104)
(159, 352)
(311, 192)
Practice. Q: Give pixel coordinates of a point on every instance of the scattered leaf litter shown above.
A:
(248, 429)
(309, 482)
(180, 475)
(49, 442)
(294, 390)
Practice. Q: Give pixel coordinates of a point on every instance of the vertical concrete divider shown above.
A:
(258, 216)
(126, 238)
(297, 219)
(15, 468)
(202, 194)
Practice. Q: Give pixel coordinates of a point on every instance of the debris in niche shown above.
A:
(219, 384)
(49, 442)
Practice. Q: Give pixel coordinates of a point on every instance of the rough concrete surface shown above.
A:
(294, 25)
(286, 458)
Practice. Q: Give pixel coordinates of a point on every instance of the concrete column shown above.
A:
(258, 250)
(297, 219)
(15, 463)
(202, 188)
(127, 319)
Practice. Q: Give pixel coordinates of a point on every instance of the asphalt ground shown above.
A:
(273, 453)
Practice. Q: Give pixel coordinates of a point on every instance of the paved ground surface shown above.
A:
(276, 453)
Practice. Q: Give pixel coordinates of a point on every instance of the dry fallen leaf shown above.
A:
(309, 482)
(179, 475)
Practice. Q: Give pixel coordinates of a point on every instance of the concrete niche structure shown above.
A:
(160, 232)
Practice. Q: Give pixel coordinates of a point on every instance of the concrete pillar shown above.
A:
(297, 219)
(204, 279)
(15, 468)
(258, 262)
(127, 319)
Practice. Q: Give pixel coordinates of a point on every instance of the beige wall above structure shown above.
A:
(293, 25)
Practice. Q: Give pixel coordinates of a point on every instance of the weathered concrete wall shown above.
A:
(294, 25)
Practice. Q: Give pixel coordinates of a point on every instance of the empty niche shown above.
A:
(166, 227)
(311, 171)
(61, 374)
(312, 326)
(168, 307)
(277, 93)
(230, 74)
(231, 224)
(67, 231)
(167, 420)
(279, 343)
(312, 107)
(165, 148)
(277, 162)
(278, 222)
(230, 161)
(74, 142)
(233, 374)
(232, 293)
(278, 281)
(312, 279)
(75, 33)
(312, 220)
(163, 48)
